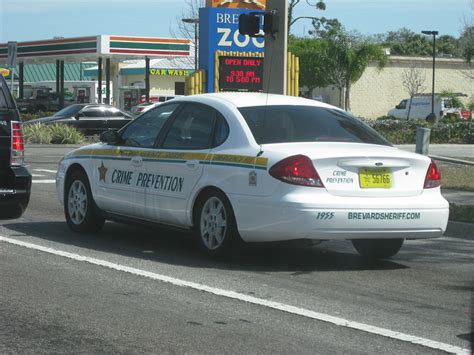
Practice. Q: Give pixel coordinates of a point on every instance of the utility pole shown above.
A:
(432, 116)
(275, 62)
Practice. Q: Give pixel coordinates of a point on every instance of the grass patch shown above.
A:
(456, 176)
(52, 134)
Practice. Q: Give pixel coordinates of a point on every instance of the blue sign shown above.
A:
(219, 31)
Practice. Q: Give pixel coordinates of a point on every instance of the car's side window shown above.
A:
(403, 105)
(143, 131)
(92, 112)
(113, 112)
(221, 131)
(192, 128)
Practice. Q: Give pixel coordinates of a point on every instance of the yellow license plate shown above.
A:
(375, 178)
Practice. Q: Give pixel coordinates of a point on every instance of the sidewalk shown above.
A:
(444, 150)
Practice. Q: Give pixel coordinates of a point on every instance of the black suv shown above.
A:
(15, 179)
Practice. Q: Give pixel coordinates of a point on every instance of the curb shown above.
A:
(460, 230)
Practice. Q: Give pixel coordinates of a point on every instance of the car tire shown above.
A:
(377, 248)
(81, 213)
(215, 224)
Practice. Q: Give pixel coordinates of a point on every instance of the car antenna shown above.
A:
(267, 89)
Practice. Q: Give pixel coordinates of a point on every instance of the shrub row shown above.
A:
(52, 134)
(395, 131)
(404, 132)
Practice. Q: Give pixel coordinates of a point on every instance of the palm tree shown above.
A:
(346, 64)
(358, 60)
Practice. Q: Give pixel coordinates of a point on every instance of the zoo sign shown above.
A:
(219, 31)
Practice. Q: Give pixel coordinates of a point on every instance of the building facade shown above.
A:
(378, 91)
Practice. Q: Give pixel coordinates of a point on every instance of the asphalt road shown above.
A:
(134, 289)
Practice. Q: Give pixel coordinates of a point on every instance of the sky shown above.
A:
(25, 20)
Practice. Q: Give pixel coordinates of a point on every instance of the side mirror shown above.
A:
(110, 137)
(77, 116)
(397, 107)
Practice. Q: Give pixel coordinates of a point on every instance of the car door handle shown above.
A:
(137, 161)
(192, 164)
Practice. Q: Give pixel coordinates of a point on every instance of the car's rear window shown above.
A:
(5, 98)
(285, 124)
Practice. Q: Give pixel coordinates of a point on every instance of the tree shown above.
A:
(311, 54)
(407, 42)
(448, 45)
(356, 60)
(318, 5)
(413, 79)
(187, 30)
(467, 43)
(345, 58)
(334, 57)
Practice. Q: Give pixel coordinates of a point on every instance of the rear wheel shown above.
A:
(377, 248)
(215, 224)
(79, 207)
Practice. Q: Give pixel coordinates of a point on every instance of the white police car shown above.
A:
(257, 167)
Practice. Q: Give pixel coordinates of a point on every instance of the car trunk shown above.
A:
(362, 170)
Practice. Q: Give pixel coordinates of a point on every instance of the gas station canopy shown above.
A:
(83, 49)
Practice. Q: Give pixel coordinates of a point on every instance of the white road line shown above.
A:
(44, 181)
(249, 299)
(37, 175)
(45, 171)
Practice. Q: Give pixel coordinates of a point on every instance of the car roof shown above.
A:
(246, 99)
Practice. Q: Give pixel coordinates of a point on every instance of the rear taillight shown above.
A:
(297, 170)
(17, 145)
(433, 176)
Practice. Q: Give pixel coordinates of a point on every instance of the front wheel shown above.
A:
(377, 248)
(79, 206)
(215, 224)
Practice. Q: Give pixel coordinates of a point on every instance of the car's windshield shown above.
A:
(69, 111)
(283, 124)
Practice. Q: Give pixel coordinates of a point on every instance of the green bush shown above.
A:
(55, 134)
(404, 132)
(37, 134)
(452, 117)
(383, 118)
(470, 105)
(63, 134)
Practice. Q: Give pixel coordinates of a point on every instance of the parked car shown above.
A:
(15, 179)
(137, 109)
(88, 118)
(159, 98)
(44, 101)
(421, 108)
(152, 105)
(258, 167)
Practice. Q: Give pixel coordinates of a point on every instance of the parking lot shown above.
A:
(147, 289)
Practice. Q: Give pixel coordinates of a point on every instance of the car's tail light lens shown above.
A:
(433, 176)
(297, 170)
(17, 145)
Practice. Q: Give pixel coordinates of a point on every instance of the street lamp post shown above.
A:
(432, 116)
(194, 21)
